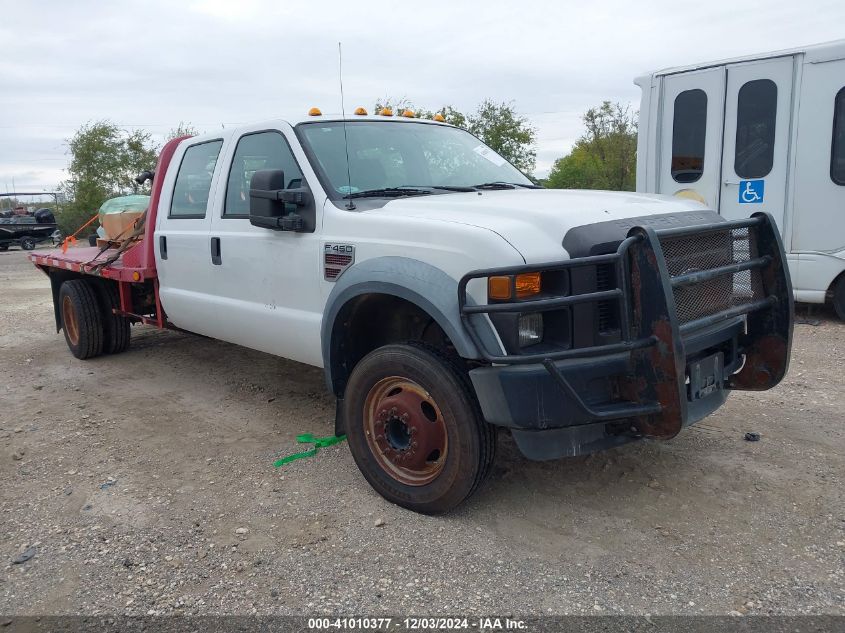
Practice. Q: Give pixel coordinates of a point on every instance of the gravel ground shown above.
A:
(144, 484)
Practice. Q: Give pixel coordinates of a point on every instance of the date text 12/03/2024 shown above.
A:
(416, 623)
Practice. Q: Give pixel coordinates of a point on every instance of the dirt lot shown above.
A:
(145, 483)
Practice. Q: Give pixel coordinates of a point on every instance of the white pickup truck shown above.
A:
(445, 295)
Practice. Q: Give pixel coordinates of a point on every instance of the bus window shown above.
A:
(756, 113)
(689, 129)
(837, 150)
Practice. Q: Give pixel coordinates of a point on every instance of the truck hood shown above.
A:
(535, 221)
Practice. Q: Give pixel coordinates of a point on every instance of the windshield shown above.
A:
(393, 154)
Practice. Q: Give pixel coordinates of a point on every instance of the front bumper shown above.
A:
(688, 334)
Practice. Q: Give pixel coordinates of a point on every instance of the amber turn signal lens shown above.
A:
(527, 285)
(499, 288)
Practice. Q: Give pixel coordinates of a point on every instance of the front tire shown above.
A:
(27, 243)
(82, 321)
(415, 428)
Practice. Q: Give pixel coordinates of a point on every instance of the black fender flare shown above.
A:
(422, 284)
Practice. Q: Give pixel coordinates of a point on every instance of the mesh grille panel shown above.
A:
(693, 253)
(606, 310)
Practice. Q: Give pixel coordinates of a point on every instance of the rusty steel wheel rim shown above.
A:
(69, 321)
(405, 431)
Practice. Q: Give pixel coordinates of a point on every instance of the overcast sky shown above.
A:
(152, 64)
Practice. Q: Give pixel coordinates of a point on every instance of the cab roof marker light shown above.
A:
(360, 111)
(315, 112)
(408, 114)
(439, 117)
(386, 112)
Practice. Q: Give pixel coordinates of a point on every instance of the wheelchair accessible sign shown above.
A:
(751, 191)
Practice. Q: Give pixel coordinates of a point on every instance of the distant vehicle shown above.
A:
(758, 133)
(444, 294)
(27, 231)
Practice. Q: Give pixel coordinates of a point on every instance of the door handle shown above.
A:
(731, 182)
(162, 246)
(216, 259)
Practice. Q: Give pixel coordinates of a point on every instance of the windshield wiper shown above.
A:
(505, 185)
(452, 188)
(388, 192)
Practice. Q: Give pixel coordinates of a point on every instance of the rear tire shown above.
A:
(82, 321)
(4, 247)
(839, 297)
(116, 329)
(27, 243)
(415, 429)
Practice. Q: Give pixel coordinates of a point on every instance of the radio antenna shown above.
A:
(349, 205)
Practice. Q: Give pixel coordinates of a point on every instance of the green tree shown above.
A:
(510, 134)
(605, 156)
(104, 162)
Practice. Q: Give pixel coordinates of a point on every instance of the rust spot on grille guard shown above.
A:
(658, 371)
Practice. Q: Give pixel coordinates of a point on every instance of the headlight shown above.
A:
(530, 329)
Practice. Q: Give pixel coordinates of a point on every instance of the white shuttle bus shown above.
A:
(758, 133)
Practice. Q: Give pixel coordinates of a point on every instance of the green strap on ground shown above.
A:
(308, 438)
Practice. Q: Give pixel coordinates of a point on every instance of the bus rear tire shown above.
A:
(839, 297)
(82, 321)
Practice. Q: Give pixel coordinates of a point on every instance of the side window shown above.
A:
(837, 151)
(756, 113)
(262, 150)
(193, 182)
(689, 129)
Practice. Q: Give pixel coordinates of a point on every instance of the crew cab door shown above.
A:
(758, 113)
(181, 235)
(267, 283)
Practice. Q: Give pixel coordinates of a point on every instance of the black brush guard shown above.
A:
(653, 395)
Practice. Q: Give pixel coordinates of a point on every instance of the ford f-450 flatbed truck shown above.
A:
(444, 294)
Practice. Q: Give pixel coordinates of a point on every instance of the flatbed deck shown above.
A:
(89, 260)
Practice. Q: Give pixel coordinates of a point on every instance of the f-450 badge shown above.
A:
(336, 259)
